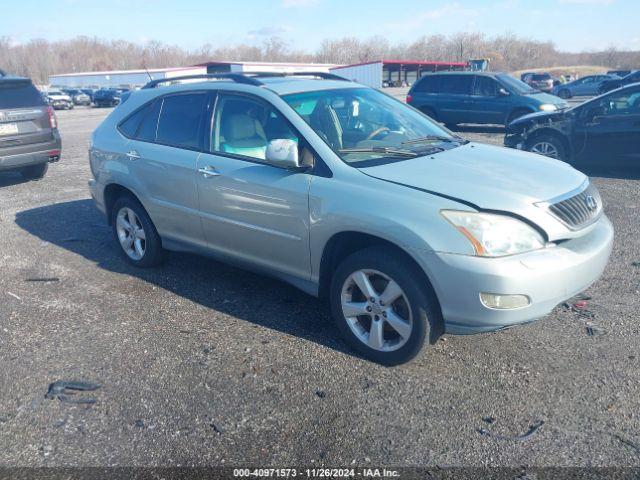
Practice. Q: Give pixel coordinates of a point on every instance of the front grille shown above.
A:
(579, 210)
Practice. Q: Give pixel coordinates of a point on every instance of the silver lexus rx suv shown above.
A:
(408, 230)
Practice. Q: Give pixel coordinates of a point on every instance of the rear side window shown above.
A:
(19, 94)
(130, 126)
(429, 84)
(458, 84)
(149, 126)
(180, 120)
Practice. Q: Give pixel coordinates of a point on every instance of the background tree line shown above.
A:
(40, 58)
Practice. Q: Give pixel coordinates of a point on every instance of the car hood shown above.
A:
(551, 116)
(543, 97)
(490, 178)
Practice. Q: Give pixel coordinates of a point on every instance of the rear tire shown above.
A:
(34, 172)
(135, 234)
(385, 327)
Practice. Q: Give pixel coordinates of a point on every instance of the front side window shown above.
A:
(180, 120)
(625, 103)
(485, 87)
(245, 126)
(362, 124)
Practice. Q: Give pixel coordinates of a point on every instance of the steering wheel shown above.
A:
(377, 132)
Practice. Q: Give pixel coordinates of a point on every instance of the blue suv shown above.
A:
(478, 97)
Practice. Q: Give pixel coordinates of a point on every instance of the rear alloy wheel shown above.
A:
(549, 146)
(381, 307)
(34, 172)
(135, 233)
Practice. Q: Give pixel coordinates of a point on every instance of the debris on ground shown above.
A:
(321, 393)
(490, 419)
(579, 307)
(517, 438)
(14, 296)
(594, 330)
(628, 443)
(63, 389)
(635, 264)
(46, 279)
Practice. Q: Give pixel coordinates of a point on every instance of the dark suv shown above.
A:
(478, 97)
(29, 137)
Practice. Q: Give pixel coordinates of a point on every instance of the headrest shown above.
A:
(239, 127)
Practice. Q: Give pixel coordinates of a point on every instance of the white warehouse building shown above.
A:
(120, 78)
(137, 78)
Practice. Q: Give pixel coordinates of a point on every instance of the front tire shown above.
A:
(516, 114)
(549, 146)
(34, 172)
(383, 305)
(135, 233)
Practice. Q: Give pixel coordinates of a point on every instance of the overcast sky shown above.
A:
(574, 25)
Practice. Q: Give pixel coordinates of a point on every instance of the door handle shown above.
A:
(133, 155)
(209, 171)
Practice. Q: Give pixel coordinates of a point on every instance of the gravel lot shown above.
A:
(204, 364)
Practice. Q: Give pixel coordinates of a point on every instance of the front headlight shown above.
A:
(548, 107)
(493, 235)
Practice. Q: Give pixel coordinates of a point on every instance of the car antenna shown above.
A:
(147, 70)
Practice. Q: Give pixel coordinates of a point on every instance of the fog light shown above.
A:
(504, 302)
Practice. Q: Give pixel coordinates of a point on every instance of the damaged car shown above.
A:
(605, 129)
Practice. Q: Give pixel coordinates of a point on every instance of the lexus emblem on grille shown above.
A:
(591, 202)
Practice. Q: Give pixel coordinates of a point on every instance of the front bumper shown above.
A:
(548, 277)
(514, 140)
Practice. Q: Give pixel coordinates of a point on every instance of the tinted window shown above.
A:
(429, 84)
(180, 119)
(244, 126)
(624, 103)
(540, 76)
(485, 87)
(130, 126)
(19, 94)
(458, 84)
(149, 126)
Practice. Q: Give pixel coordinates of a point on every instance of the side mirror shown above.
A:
(283, 152)
(503, 92)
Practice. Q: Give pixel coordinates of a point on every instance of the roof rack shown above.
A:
(248, 78)
(323, 75)
(236, 77)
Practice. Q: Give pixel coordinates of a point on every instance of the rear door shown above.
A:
(162, 157)
(24, 117)
(251, 210)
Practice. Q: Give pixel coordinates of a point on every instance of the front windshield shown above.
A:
(362, 124)
(516, 85)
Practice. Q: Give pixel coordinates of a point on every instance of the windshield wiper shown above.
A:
(433, 138)
(386, 150)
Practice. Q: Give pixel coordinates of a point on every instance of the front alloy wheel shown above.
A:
(384, 305)
(376, 310)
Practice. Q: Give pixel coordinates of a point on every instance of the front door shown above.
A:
(488, 105)
(251, 210)
(608, 131)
